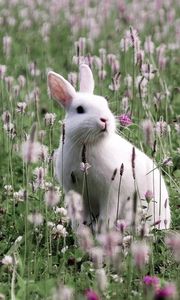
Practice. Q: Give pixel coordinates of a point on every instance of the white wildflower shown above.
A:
(20, 195)
(21, 106)
(36, 219)
(49, 119)
(60, 231)
(8, 188)
(7, 260)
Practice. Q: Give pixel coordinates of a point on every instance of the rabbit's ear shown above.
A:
(60, 89)
(86, 79)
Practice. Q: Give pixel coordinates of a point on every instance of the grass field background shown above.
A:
(133, 50)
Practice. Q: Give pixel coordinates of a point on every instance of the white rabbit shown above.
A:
(90, 122)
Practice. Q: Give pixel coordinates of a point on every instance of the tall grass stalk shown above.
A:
(119, 190)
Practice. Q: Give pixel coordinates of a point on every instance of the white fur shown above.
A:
(105, 151)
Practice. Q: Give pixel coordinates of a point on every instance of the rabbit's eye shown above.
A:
(80, 110)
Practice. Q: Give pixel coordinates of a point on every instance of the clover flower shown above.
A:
(59, 231)
(151, 281)
(19, 196)
(21, 107)
(7, 260)
(35, 218)
(125, 120)
(168, 291)
(8, 188)
(91, 295)
(49, 119)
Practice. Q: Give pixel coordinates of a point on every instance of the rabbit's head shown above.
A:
(88, 117)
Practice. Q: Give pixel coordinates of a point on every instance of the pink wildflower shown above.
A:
(85, 237)
(7, 260)
(30, 151)
(110, 242)
(39, 173)
(22, 81)
(132, 36)
(148, 71)
(31, 148)
(9, 82)
(121, 225)
(149, 45)
(7, 43)
(148, 131)
(161, 127)
(167, 292)
(73, 78)
(125, 120)
(74, 206)
(51, 197)
(102, 74)
(3, 69)
(96, 253)
(43, 153)
(34, 71)
(149, 196)
(113, 62)
(167, 162)
(6, 117)
(151, 280)
(140, 253)
(91, 295)
(115, 85)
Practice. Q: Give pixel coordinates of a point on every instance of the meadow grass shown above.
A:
(41, 257)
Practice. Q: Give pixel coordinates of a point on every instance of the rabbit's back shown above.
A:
(103, 176)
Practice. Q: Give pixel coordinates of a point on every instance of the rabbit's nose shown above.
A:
(104, 120)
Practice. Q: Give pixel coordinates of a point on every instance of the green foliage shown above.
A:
(42, 264)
